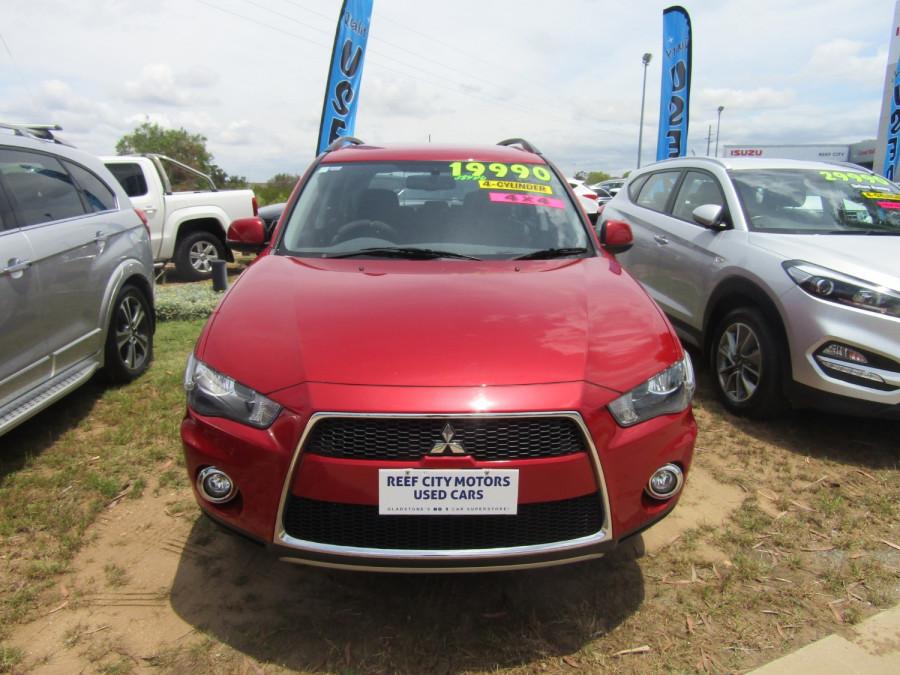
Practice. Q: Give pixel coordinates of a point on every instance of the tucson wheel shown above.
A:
(746, 364)
(195, 253)
(129, 342)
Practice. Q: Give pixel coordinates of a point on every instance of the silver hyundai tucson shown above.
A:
(76, 275)
(786, 274)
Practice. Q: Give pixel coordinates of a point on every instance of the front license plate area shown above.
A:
(448, 492)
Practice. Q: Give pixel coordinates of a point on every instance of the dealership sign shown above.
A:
(345, 74)
(675, 95)
(887, 152)
(822, 153)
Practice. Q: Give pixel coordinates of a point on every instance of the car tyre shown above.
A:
(195, 253)
(129, 340)
(746, 364)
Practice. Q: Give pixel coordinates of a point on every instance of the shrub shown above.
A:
(185, 302)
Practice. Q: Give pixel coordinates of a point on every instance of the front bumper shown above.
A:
(273, 475)
(813, 324)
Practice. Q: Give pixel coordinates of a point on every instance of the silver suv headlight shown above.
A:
(826, 284)
(211, 393)
(667, 392)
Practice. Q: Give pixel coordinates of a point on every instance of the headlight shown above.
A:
(211, 393)
(827, 284)
(670, 391)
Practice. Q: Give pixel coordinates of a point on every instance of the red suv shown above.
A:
(436, 365)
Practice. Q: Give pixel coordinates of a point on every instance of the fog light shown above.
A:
(844, 352)
(665, 482)
(215, 485)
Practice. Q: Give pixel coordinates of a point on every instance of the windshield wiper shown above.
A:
(410, 252)
(546, 253)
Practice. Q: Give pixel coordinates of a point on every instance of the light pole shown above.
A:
(718, 124)
(645, 59)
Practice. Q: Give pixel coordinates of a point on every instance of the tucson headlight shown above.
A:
(667, 392)
(827, 284)
(211, 393)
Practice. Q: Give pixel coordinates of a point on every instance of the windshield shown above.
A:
(814, 201)
(464, 209)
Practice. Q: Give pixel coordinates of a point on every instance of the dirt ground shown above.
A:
(151, 582)
(784, 534)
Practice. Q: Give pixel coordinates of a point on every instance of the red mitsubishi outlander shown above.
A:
(435, 365)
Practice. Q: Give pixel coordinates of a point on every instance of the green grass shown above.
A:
(62, 468)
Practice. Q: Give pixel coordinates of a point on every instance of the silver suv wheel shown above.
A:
(738, 362)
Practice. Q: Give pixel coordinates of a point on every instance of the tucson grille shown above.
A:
(484, 438)
(360, 525)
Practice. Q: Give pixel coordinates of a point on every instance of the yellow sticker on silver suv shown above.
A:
(881, 195)
(514, 185)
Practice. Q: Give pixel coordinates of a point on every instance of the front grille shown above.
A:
(361, 526)
(484, 438)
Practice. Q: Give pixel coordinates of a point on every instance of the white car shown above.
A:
(187, 214)
(586, 196)
(785, 273)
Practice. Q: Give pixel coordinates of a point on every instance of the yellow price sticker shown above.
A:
(882, 195)
(499, 170)
(514, 185)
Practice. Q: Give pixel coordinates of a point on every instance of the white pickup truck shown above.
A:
(188, 216)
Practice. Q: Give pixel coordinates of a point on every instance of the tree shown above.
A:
(276, 189)
(178, 144)
(595, 177)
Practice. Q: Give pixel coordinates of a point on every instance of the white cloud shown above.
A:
(469, 71)
(159, 84)
(747, 99)
(843, 59)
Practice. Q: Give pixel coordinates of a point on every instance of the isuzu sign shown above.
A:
(821, 153)
(345, 75)
(676, 84)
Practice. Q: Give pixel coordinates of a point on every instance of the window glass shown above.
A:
(478, 209)
(97, 194)
(635, 186)
(40, 188)
(6, 220)
(814, 201)
(655, 193)
(130, 177)
(696, 190)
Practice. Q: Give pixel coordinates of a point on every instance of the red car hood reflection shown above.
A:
(437, 323)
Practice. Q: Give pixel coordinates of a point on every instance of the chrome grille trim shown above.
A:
(282, 538)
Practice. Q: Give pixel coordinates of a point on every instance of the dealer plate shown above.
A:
(448, 492)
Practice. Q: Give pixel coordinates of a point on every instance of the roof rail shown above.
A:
(41, 132)
(339, 142)
(528, 147)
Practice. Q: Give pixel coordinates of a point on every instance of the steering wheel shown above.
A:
(377, 227)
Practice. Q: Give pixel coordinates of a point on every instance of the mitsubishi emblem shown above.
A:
(440, 447)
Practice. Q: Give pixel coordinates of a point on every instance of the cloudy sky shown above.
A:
(250, 74)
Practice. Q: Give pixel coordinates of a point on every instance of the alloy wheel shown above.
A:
(132, 332)
(739, 362)
(201, 254)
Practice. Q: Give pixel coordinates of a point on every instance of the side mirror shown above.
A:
(615, 236)
(709, 215)
(247, 235)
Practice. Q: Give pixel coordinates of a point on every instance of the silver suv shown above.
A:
(786, 275)
(76, 275)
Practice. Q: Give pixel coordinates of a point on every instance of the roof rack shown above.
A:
(525, 145)
(41, 132)
(339, 142)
